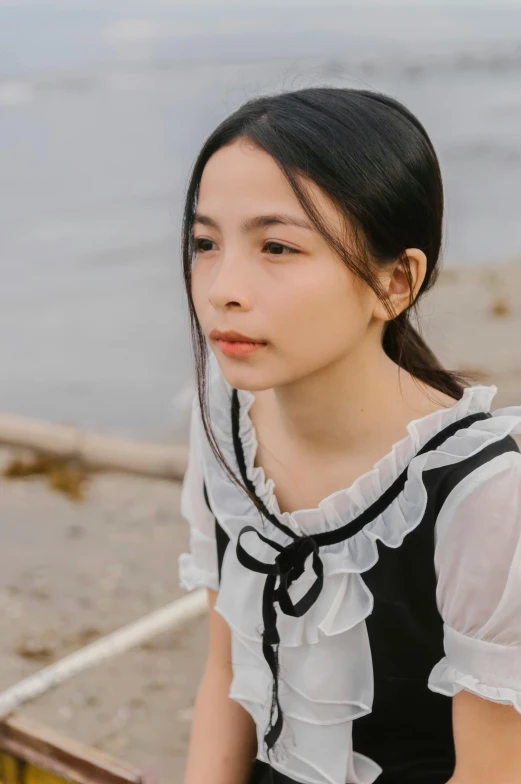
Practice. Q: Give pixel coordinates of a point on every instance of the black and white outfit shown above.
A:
(352, 622)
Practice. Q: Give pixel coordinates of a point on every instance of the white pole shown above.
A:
(167, 618)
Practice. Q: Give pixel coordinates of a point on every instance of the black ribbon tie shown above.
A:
(288, 566)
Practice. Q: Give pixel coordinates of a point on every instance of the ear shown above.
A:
(395, 284)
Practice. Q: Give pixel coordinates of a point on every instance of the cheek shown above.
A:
(321, 314)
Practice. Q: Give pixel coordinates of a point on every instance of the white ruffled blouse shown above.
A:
(326, 678)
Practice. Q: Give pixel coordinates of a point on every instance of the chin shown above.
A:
(252, 376)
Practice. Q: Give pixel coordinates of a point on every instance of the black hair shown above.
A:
(374, 160)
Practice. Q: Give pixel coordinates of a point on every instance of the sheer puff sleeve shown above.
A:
(478, 565)
(197, 568)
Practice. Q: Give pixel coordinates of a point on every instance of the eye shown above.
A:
(199, 244)
(277, 249)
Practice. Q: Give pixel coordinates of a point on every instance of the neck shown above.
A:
(339, 406)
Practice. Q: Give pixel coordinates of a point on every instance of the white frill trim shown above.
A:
(315, 746)
(346, 504)
(192, 576)
(449, 681)
(483, 667)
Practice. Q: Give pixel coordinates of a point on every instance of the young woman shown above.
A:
(355, 508)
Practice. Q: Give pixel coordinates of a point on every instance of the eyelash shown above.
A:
(198, 249)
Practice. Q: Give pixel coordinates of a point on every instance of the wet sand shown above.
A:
(70, 572)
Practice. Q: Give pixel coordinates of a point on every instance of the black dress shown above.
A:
(339, 645)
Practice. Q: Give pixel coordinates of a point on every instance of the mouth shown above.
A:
(234, 344)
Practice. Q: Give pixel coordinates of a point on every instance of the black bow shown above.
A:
(287, 567)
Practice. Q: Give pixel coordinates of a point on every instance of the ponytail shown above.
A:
(404, 345)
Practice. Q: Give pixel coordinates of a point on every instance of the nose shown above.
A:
(230, 288)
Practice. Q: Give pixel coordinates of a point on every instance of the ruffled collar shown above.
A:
(344, 505)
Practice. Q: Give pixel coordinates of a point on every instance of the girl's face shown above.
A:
(262, 270)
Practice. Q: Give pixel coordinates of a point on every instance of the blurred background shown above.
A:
(104, 105)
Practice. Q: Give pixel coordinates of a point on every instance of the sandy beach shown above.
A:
(72, 572)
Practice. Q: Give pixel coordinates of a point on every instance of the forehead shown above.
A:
(242, 171)
(241, 179)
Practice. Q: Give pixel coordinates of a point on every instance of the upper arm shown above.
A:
(478, 562)
(219, 645)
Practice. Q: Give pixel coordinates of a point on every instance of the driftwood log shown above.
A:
(94, 451)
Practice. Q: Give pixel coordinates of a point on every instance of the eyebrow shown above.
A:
(258, 222)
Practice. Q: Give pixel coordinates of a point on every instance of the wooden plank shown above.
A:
(33, 754)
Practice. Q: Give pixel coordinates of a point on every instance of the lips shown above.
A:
(233, 337)
(235, 344)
